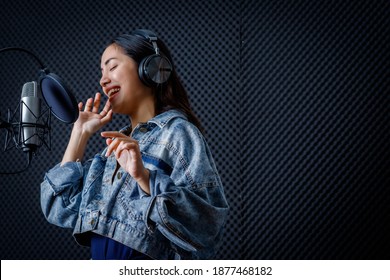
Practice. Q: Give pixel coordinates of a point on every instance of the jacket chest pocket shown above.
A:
(128, 195)
(95, 175)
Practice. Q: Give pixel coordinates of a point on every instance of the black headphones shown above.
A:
(154, 69)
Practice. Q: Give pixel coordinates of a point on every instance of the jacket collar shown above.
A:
(162, 119)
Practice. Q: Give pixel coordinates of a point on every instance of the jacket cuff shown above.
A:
(151, 216)
(61, 176)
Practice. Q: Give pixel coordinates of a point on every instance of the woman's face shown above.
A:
(120, 81)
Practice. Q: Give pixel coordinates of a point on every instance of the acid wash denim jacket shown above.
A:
(182, 218)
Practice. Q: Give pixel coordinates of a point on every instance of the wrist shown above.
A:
(80, 133)
(143, 181)
(76, 147)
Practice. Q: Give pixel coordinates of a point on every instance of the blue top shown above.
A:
(104, 248)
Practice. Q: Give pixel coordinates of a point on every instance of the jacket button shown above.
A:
(143, 129)
(119, 175)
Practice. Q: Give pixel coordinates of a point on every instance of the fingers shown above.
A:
(88, 105)
(119, 143)
(92, 105)
(96, 103)
(111, 134)
(107, 118)
(106, 109)
(129, 157)
(133, 148)
(106, 113)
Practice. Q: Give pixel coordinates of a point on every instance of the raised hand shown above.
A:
(90, 120)
(128, 155)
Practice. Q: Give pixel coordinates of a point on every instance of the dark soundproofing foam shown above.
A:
(315, 129)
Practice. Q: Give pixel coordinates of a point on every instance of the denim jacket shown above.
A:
(182, 218)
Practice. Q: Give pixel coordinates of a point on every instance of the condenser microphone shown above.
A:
(33, 127)
(30, 111)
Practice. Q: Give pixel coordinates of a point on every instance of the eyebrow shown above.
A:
(108, 61)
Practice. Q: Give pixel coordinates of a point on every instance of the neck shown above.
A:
(144, 113)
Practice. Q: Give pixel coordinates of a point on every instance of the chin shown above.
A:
(119, 111)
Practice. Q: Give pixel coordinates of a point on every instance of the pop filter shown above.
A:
(56, 94)
(59, 98)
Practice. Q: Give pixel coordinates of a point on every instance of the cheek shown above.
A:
(134, 83)
(132, 74)
(129, 79)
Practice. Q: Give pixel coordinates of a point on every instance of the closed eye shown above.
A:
(113, 67)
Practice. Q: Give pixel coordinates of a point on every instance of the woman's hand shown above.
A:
(128, 154)
(90, 120)
(88, 123)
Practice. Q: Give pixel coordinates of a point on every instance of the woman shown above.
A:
(154, 192)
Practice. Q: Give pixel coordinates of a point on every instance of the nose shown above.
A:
(104, 81)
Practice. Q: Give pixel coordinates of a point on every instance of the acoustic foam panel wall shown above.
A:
(294, 96)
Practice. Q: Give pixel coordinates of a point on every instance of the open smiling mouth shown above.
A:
(112, 92)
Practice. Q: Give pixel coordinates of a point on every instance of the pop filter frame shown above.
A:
(59, 98)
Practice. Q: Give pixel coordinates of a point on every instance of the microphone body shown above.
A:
(30, 111)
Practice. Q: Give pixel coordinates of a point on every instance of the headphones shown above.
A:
(155, 69)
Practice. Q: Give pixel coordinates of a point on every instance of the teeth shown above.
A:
(112, 91)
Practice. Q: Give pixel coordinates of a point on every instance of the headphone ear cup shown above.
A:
(141, 73)
(154, 70)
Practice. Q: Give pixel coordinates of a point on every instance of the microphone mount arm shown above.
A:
(25, 51)
(4, 124)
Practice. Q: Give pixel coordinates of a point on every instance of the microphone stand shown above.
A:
(10, 130)
(15, 132)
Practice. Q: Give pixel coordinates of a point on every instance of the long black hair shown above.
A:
(169, 95)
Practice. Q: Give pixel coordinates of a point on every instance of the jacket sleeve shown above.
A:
(61, 194)
(189, 206)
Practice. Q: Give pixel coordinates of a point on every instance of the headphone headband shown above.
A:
(155, 69)
(148, 35)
